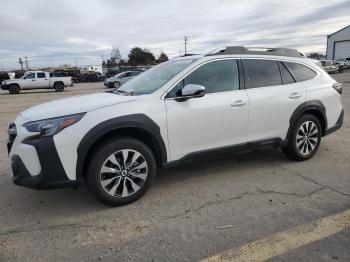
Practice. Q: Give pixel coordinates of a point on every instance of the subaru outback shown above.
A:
(185, 108)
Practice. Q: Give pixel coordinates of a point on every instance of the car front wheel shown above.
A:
(14, 89)
(121, 171)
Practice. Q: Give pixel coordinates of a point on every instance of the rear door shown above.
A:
(273, 95)
(42, 80)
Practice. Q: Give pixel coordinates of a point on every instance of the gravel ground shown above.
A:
(190, 213)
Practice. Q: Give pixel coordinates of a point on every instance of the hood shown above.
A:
(74, 105)
(9, 81)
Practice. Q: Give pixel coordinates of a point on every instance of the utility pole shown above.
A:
(102, 58)
(26, 62)
(186, 40)
(20, 62)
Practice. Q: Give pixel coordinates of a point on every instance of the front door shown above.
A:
(219, 119)
(28, 81)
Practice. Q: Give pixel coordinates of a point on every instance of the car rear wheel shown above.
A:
(59, 87)
(304, 138)
(121, 171)
(14, 89)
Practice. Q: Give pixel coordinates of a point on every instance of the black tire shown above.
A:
(303, 145)
(100, 159)
(14, 89)
(116, 85)
(59, 87)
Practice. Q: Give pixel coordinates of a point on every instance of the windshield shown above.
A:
(154, 78)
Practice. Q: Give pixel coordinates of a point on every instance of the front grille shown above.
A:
(12, 132)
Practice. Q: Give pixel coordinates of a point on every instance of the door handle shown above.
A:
(238, 103)
(295, 95)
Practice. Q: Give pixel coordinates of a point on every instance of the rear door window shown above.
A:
(300, 72)
(260, 73)
(41, 75)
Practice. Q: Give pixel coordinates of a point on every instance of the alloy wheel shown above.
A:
(307, 138)
(123, 173)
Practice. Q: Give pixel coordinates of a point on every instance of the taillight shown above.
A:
(338, 87)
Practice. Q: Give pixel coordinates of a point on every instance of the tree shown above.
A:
(122, 62)
(317, 56)
(139, 56)
(162, 58)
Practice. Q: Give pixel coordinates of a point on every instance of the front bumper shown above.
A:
(4, 87)
(52, 174)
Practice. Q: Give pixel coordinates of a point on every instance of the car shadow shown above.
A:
(79, 201)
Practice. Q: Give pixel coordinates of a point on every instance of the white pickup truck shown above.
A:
(36, 80)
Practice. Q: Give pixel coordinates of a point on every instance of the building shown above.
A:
(93, 68)
(338, 44)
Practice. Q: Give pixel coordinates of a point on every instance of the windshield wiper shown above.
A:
(124, 92)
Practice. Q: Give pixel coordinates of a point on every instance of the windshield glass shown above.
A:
(154, 78)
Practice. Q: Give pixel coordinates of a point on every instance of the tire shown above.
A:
(14, 89)
(116, 85)
(304, 138)
(59, 87)
(112, 181)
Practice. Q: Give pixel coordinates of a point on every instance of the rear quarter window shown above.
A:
(300, 72)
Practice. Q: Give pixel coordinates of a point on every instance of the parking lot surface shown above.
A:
(257, 206)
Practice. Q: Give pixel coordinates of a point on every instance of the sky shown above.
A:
(79, 32)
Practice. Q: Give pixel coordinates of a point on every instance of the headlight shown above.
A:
(50, 127)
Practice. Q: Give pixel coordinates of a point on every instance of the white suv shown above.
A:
(232, 99)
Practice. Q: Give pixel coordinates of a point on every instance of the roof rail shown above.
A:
(238, 50)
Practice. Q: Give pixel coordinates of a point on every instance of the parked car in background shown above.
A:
(235, 99)
(89, 77)
(330, 66)
(36, 80)
(345, 62)
(121, 78)
(4, 76)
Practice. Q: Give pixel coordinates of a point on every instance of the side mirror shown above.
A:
(191, 91)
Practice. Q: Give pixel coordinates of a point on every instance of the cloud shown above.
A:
(63, 31)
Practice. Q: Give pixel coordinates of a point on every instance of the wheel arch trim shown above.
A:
(309, 106)
(135, 121)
